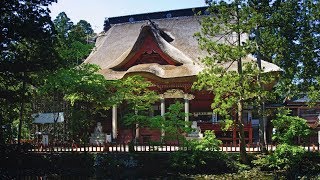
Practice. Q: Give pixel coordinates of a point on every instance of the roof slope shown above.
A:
(116, 46)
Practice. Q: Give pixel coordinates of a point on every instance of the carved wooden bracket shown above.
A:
(176, 93)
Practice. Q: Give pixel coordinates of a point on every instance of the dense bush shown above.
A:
(209, 162)
(285, 157)
(253, 173)
(131, 165)
(287, 127)
(73, 163)
(16, 163)
(204, 157)
(208, 143)
(290, 161)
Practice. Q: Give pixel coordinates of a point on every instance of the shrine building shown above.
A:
(162, 48)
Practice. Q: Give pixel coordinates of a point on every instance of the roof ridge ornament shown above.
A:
(162, 33)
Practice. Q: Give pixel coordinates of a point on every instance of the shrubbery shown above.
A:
(204, 157)
(285, 158)
(209, 162)
(290, 160)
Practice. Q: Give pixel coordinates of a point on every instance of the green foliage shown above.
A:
(73, 40)
(85, 90)
(289, 127)
(27, 52)
(230, 72)
(285, 157)
(173, 123)
(212, 162)
(253, 173)
(63, 24)
(226, 124)
(87, 29)
(289, 36)
(81, 84)
(135, 93)
(79, 124)
(204, 157)
(90, 94)
(224, 85)
(314, 92)
(208, 143)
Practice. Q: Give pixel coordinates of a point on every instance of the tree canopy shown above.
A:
(223, 36)
(74, 40)
(27, 52)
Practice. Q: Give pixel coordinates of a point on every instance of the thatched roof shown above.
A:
(119, 44)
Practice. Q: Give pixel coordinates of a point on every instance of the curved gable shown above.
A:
(147, 49)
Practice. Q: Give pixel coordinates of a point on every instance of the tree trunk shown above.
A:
(262, 139)
(243, 152)
(55, 120)
(262, 132)
(21, 110)
(133, 138)
(1, 131)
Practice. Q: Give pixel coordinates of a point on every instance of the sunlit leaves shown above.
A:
(81, 84)
(90, 95)
(287, 127)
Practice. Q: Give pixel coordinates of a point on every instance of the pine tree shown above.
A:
(230, 74)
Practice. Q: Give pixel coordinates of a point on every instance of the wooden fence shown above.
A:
(116, 147)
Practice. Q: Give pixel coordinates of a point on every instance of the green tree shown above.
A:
(86, 27)
(288, 128)
(314, 92)
(63, 25)
(174, 124)
(137, 96)
(90, 95)
(73, 40)
(289, 36)
(288, 157)
(234, 80)
(208, 143)
(26, 46)
(86, 91)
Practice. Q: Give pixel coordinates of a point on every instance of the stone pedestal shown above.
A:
(196, 134)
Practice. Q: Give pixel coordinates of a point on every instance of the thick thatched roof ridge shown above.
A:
(171, 51)
(162, 71)
(120, 38)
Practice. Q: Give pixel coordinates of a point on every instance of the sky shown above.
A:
(95, 11)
